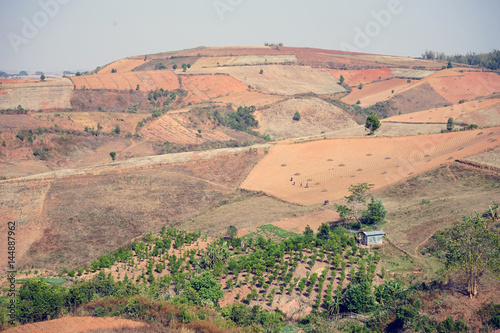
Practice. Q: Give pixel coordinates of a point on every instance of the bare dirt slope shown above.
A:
(78, 325)
(317, 117)
(121, 66)
(436, 200)
(418, 98)
(168, 129)
(355, 77)
(329, 167)
(251, 60)
(440, 115)
(70, 219)
(376, 92)
(147, 80)
(37, 95)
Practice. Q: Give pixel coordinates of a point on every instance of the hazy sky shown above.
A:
(57, 35)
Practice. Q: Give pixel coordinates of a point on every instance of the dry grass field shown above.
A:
(279, 79)
(317, 117)
(37, 95)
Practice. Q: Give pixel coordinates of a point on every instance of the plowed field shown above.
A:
(455, 85)
(355, 77)
(441, 115)
(37, 95)
(329, 167)
(376, 92)
(280, 79)
(204, 87)
(121, 66)
(149, 80)
(244, 60)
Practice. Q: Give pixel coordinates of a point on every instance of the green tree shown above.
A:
(207, 287)
(449, 65)
(117, 129)
(42, 77)
(296, 116)
(355, 201)
(375, 212)
(360, 85)
(372, 123)
(472, 249)
(359, 297)
(231, 231)
(342, 79)
(39, 301)
(450, 124)
(138, 87)
(160, 66)
(113, 155)
(261, 71)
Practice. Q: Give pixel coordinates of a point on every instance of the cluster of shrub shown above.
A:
(490, 60)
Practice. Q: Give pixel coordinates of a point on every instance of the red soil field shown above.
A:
(121, 66)
(332, 60)
(205, 87)
(76, 325)
(355, 77)
(149, 80)
(441, 115)
(329, 167)
(455, 85)
(8, 82)
(376, 92)
(168, 129)
(341, 59)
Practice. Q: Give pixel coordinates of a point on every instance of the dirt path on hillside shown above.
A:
(140, 163)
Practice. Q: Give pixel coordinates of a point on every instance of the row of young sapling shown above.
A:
(267, 268)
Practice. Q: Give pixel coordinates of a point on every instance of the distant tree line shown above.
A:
(490, 60)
